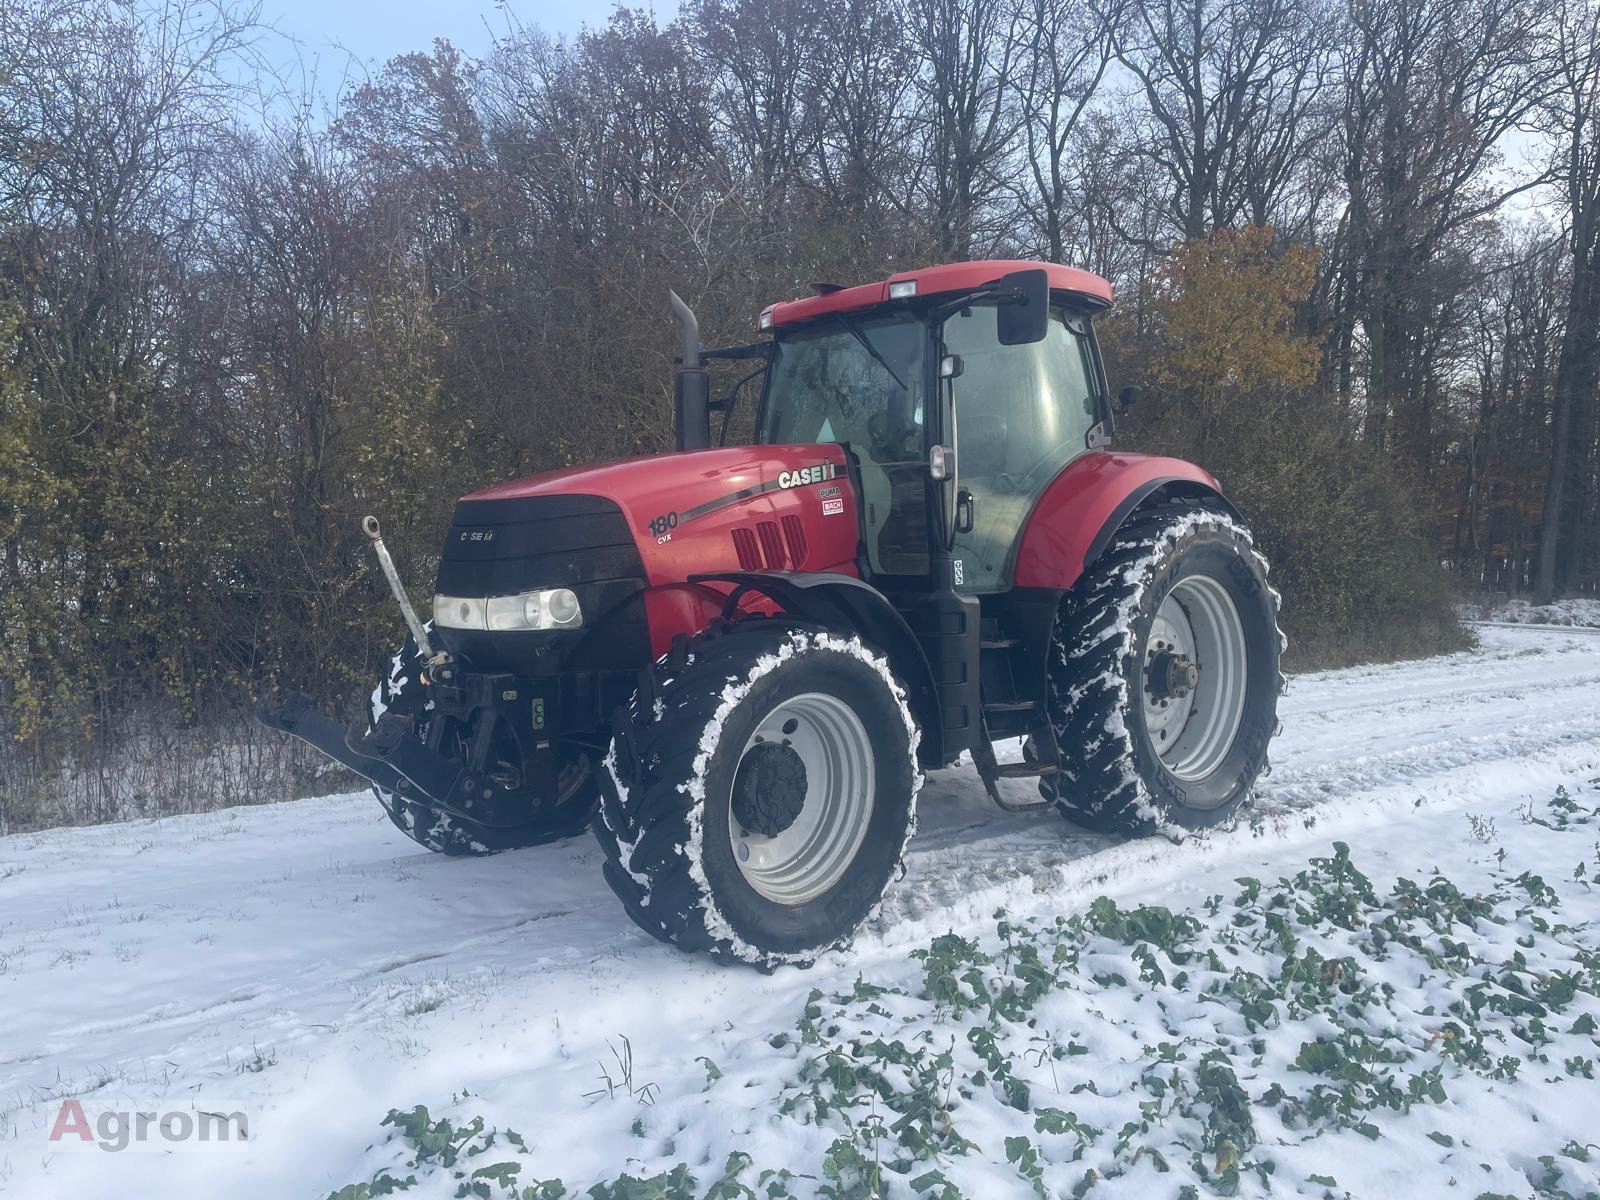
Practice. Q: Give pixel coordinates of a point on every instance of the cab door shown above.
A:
(1021, 414)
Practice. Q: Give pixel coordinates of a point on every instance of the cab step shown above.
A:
(1010, 706)
(1024, 770)
(991, 772)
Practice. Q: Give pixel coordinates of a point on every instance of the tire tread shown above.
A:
(1100, 786)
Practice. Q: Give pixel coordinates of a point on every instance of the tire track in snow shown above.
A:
(1444, 728)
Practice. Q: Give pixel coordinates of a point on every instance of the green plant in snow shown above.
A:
(1302, 982)
(381, 1184)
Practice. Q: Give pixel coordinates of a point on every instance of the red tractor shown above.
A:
(737, 662)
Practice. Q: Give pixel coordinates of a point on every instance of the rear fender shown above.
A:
(1084, 506)
(845, 603)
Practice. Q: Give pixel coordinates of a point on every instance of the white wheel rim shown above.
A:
(1193, 732)
(815, 851)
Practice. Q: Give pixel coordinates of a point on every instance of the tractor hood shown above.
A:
(737, 507)
(685, 478)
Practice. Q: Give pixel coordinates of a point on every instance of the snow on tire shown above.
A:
(756, 805)
(402, 692)
(1164, 675)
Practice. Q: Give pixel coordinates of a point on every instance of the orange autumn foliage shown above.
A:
(1224, 313)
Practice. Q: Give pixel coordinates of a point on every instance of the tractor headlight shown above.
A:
(456, 612)
(561, 606)
(548, 608)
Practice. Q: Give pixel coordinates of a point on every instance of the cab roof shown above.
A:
(931, 281)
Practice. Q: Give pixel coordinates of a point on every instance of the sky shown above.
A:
(340, 41)
(327, 33)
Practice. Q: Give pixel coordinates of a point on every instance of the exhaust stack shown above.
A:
(691, 385)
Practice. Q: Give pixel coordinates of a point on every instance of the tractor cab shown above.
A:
(960, 392)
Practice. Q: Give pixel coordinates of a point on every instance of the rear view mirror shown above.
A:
(1127, 398)
(1023, 315)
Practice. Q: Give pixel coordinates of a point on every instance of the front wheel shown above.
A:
(1164, 675)
(757, 805)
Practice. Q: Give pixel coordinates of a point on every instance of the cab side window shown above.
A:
(1022, 412)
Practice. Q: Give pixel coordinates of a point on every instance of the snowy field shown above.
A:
(1382, 983)
(1579, 611)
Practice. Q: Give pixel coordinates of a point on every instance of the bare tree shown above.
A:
(867, 160)
(1229, 88)
(1063, 51)
(1572, 118)
(1431, 89)
(968, 50)
(763, 57)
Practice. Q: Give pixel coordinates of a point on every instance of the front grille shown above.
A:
(771, 544)
(744, 545)
(794, 534)
(497, 547)
(502, 547)
(766, 547)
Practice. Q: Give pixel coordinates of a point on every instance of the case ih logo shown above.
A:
(820, 473)
(477, 535)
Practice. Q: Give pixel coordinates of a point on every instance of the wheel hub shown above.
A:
(770, 789)
(802, 798)
(1192, 716)
(1171, 675)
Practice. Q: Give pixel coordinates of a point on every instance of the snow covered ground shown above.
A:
(307, 965)
(1580, 611)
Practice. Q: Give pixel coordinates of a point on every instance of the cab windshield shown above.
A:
(849, 379)
(858, 380)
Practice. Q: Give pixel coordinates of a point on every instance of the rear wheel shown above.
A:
(564, 815)
(758, 804)
(1164, 674)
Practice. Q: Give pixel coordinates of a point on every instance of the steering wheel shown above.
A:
(1016, 483)
(890, 436)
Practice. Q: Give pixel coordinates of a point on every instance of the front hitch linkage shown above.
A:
(369, 526)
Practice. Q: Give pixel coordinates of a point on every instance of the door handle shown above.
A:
(965, 505)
